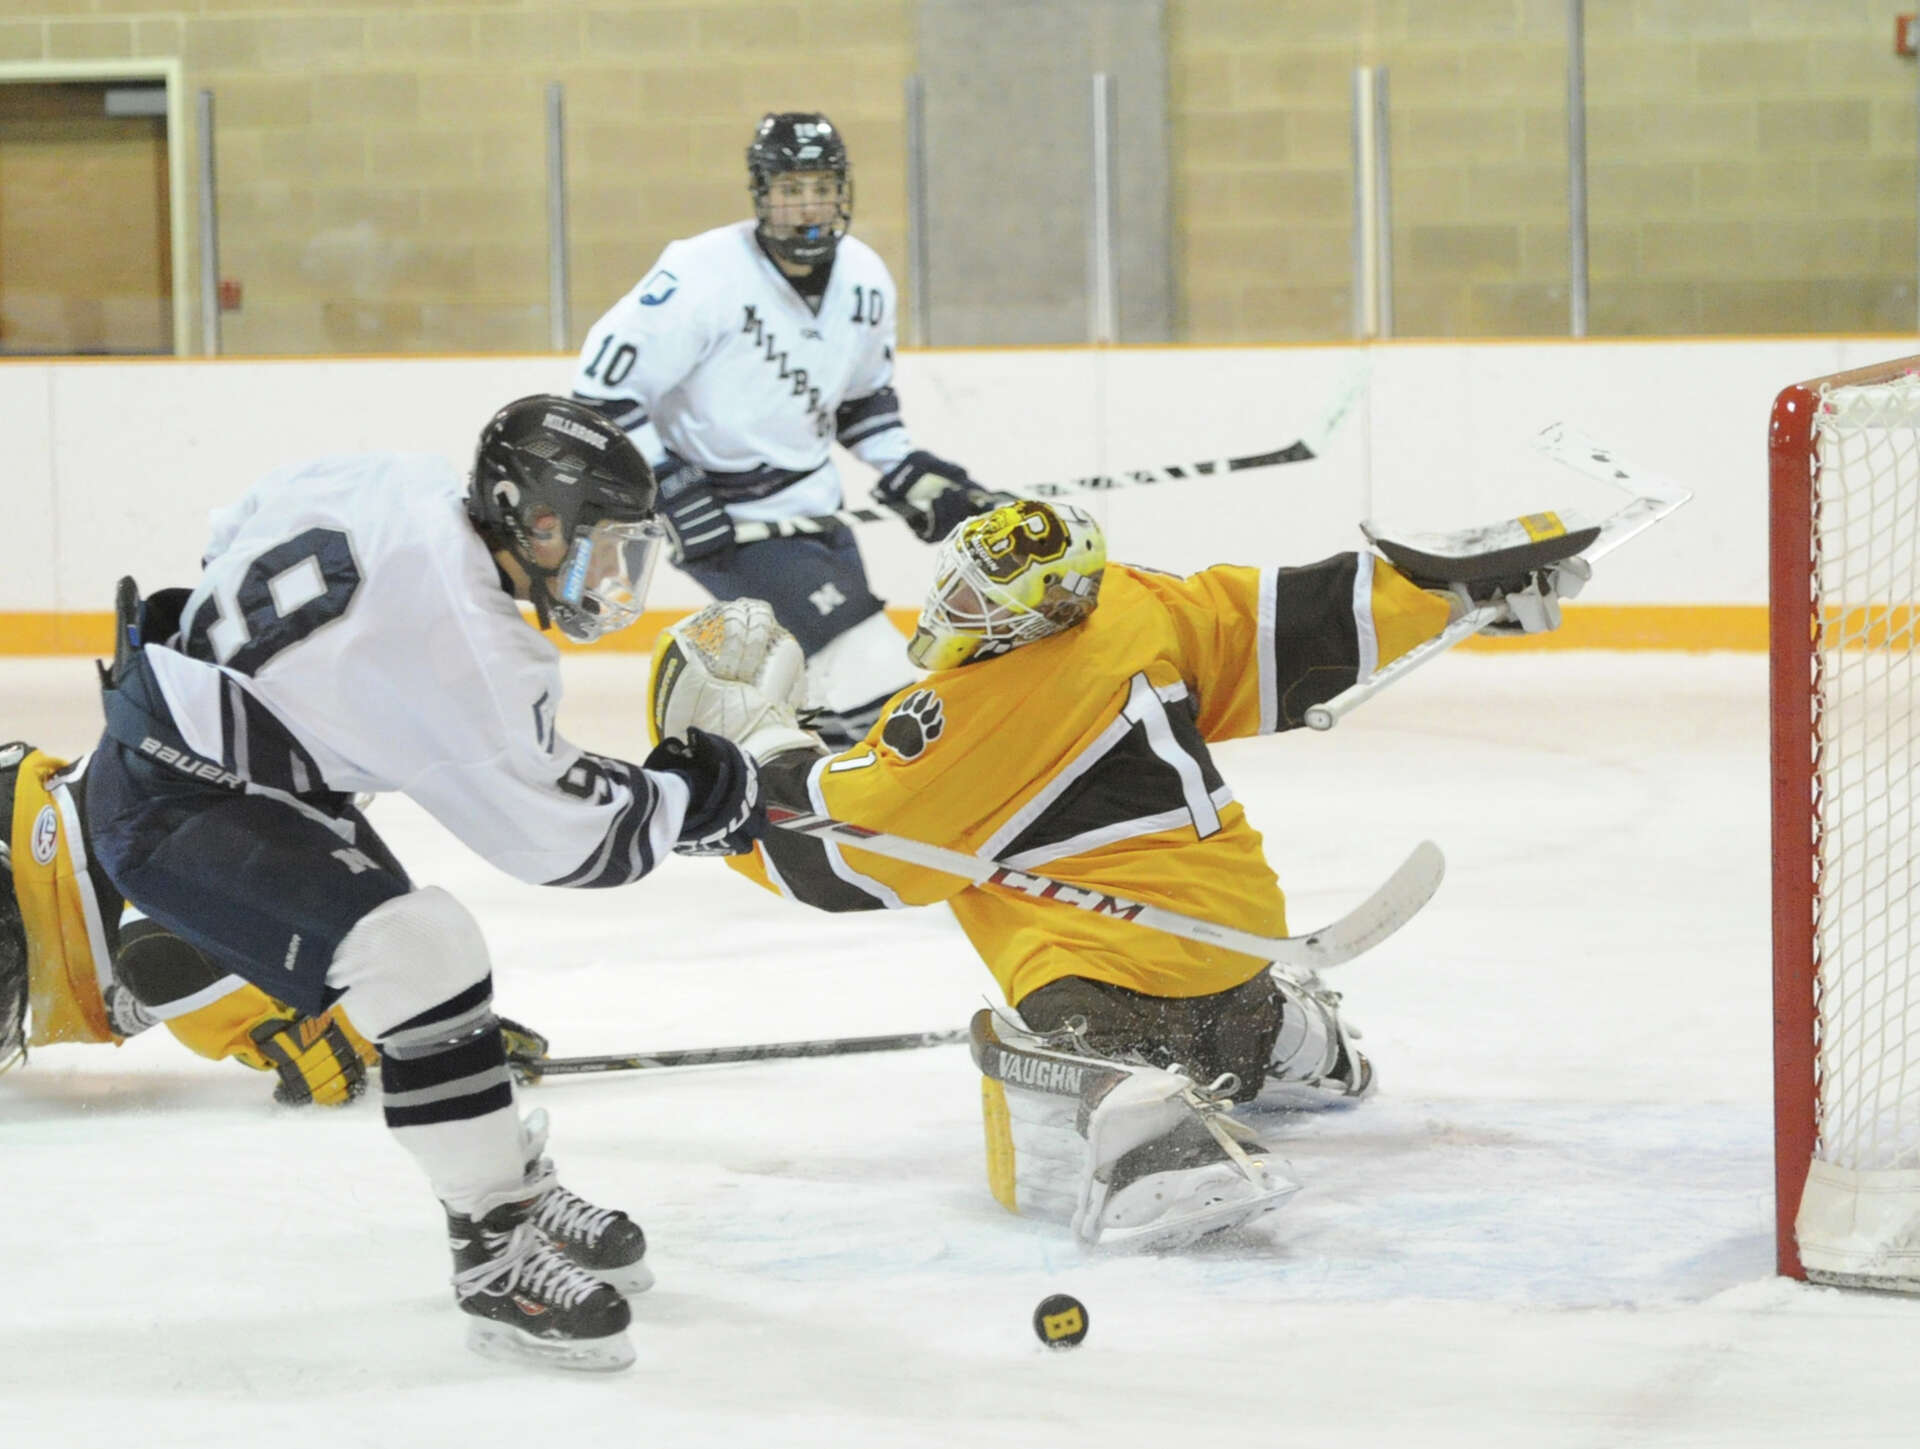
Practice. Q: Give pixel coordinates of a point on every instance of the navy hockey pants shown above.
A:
(265, 888)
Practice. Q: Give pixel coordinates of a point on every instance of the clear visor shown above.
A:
(602, 585)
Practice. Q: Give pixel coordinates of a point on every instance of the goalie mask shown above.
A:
(802, 186)
(1019, 573)
(566, 493)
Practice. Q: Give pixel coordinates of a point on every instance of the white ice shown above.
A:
(1552, 1227)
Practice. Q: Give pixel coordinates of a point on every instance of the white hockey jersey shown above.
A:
(350, 633)
(718, 358)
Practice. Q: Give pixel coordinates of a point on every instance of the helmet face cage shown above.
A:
(554, 479)
(799, 141)
(1019, 573)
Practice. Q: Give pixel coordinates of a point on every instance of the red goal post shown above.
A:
(1844, 540)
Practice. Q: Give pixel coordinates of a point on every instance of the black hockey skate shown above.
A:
(527, 1300)
(604, 1241)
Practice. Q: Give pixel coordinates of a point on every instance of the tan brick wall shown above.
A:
(382, 165)
(1751, 165)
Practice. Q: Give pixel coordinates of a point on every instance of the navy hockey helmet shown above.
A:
(789, 141)
(567, 494)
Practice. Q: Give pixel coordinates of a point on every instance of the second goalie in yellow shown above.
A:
(77, 965)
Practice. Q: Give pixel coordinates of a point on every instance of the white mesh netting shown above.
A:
(1866, 719)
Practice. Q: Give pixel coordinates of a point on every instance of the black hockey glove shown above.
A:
(933, 495)
(727, 812)
(697, 526)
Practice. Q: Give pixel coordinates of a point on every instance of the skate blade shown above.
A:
(629, 1280)
(1190, 1227)
(578, 1355)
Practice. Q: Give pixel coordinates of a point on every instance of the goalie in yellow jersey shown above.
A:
(1064, 727)
(78, 966)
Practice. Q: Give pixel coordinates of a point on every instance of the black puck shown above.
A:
(1060, 1321)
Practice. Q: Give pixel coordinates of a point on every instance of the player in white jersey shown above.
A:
(735, 365)
(356, 629)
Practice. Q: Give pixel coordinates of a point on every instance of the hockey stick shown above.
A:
(1654, 497)
(1308, 446)
(531, 1069)
(1377, 917)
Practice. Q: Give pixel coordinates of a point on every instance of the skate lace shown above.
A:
(1213, 1104)
(563, 1214)
(528, 1264)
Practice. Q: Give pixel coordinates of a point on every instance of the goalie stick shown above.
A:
(532, 1069)
(1308, 446)
(1654, 497)
(1389, 908)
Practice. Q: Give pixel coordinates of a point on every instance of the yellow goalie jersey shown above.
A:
(1084, 757)
(71, 917)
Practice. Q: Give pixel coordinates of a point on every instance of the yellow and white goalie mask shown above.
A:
(1019, 573)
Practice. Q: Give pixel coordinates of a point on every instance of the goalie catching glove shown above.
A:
(733, 671)
(1523, 566)
(933, 495)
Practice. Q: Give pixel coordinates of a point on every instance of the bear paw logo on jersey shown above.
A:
(915, 724)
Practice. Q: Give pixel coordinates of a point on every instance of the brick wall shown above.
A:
(382, 166)
(1751, 165)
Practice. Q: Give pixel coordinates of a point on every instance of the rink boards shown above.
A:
(113, 464)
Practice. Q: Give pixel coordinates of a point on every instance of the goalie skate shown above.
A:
(1315, 1063)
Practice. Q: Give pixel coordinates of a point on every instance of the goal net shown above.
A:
(1845, 587)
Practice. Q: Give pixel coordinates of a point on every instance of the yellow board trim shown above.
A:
(1588, 626)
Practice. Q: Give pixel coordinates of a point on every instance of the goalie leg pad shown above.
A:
(1202, 1036)
(1126, 1154)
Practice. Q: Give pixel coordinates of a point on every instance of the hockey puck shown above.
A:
(1060, 1321)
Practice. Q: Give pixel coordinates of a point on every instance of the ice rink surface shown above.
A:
(1553, 1225)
